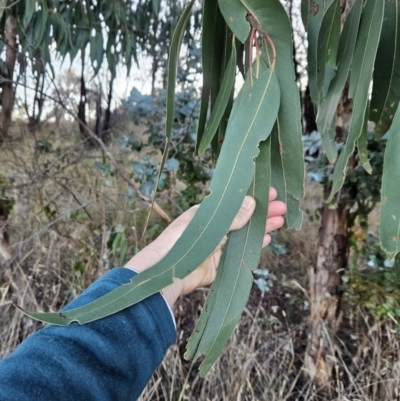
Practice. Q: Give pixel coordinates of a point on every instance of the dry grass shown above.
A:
(58, 228)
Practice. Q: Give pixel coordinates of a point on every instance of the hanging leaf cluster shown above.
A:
(365, 50)
(256, 142)
(113, 31)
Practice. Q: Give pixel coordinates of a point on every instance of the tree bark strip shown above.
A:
(325, 277)
(8, 94)
(325, 295)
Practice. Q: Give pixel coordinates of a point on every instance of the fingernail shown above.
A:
(247, 203)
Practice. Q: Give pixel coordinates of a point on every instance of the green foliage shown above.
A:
(212, 56)
(114, 31)
(365, 187)
(320, 29)
(326, 117)
(376, 287)
(362, 68)
(390, 211)
(221, 103)
(386, 89)
(150, 111)
(241, 256)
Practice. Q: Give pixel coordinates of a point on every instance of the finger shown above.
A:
(276, 208)
(273, 223)
(272, 194)
(244, 213)
(266, 240)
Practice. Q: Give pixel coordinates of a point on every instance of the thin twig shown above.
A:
(10, 5)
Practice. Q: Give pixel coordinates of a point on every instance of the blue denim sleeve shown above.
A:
(109, 359)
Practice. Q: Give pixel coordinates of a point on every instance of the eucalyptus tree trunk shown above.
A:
(325, 295)
(8, 95)
(325, 276)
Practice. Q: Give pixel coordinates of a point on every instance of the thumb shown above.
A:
(244, 213)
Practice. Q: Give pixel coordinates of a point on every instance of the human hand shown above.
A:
(206, 272)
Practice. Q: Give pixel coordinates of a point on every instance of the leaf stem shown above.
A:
(251, 41)
(256, 26)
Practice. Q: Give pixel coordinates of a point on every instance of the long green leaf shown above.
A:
(232, 177)
(198, 332)
(316, 59)
(305, 11)
(28, 13)
(231, 291)
(272, 17)
(173, 62)
(40, 23)
(326, 116)
(389, 232)
(221, 102)
(227, 51)
(386, 89)
(361, 75)
(279, 179)
(328, 41)
(235, 16)
(362, 144)
(96, 50)
(212, 49)
(222, 48)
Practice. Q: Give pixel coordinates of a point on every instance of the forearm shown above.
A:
(109, 359)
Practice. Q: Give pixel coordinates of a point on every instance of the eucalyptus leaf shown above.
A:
(212, 51)
(40, 23)
(386, 89)
(327, 43)
(326, 116)
(305, 11)
(389, 231)
(329, 144)
(272, 18)
(362, 67)
(229, 43)
(241, 255)
(96, 50)
(235, 17)
(279, 180)
(232, 177)
(316, 55)
(156, 6)
(29, 11)
(173, 62)
(221, 103)
(362, 144)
